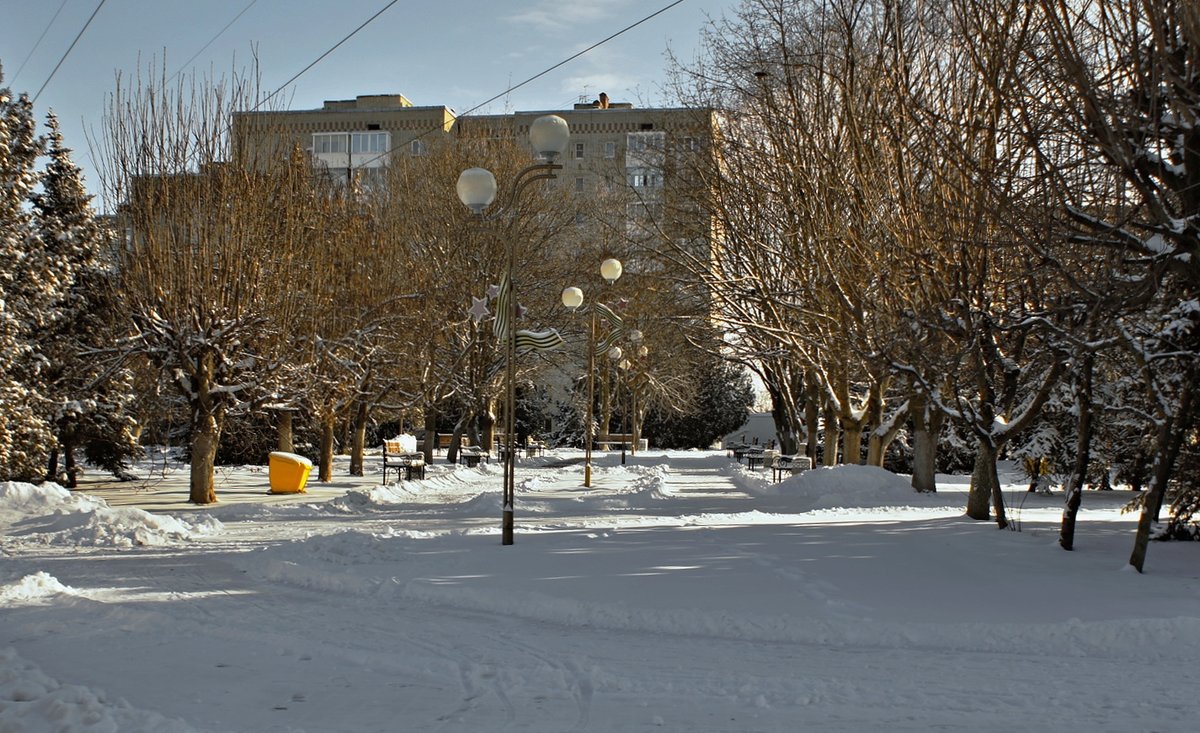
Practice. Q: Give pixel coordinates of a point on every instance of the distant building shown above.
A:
(614, 147)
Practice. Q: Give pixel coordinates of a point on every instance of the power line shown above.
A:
(46, 30)
(571, 58)
(68, 51)
(538, 75)
(212, 40)
(320, 58)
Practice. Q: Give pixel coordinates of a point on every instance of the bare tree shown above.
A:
(213, 255)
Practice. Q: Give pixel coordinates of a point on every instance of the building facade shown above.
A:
(614, 149)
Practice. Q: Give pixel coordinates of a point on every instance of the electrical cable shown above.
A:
(320, 58)
(46, 30)
(211, 41)
(536, 76)
(69, 48)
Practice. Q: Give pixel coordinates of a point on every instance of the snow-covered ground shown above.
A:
(680, 593)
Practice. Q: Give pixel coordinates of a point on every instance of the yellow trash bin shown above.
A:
(288, 472)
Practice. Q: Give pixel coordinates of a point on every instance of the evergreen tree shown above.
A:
(87, 399)
(722, 399)
(25, 436)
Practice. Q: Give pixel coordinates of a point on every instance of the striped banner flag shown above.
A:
(616, 325)
(501, 325)
(538, 340)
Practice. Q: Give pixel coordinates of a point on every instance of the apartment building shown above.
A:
(615, 148)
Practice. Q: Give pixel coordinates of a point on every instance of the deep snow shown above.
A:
(682, 592)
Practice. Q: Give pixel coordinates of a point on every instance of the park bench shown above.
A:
(471, 455)
(531, 446)
(790, 465)
(607, 441)
(396, 458)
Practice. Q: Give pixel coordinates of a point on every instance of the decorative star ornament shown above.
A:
(478, 309)
(493, 291)
(521, 310)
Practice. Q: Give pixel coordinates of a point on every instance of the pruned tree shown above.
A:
(214, 255)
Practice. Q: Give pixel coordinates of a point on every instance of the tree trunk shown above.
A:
(1168, 441)
(606, 406)
(877, 441)
(831, 436)
(812, 414)
(69, 465)
(487, 428)
(455, 441)
(1083, 443)
(926, 426)
(781, 417)
(206, 435)
(328, 426)
(285, 441)
(852, 431)
(985, 486)
(358, 438)
(52, 465)
(430, 432)
(875, 449)
(924, 478)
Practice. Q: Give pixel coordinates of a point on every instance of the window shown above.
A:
(417, 147)
(645, 178)
(329, 142)
(610, 150)
(580, 184)
(644, 149)
(690, 144)
(369, 142)
(578, 151)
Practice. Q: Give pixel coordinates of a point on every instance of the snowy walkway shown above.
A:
(679, 593)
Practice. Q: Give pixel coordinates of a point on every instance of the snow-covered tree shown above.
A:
(87, 396)
(1121, 94)
(25, 287)
(718, 406)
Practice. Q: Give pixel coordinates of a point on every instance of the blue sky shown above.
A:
(457, 53)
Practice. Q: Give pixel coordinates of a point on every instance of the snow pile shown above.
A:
(839, 487)
(51, 515)
(373, 499)
(643, 486)
(32, 701)
(36, 589)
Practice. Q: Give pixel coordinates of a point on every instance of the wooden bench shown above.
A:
(606, 441)
(395, 458)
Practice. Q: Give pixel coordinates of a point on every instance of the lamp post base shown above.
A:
(506, 528)
(587, 475)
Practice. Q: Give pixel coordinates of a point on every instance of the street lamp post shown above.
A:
(476, 188)
(572, 298)
(638, 351)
